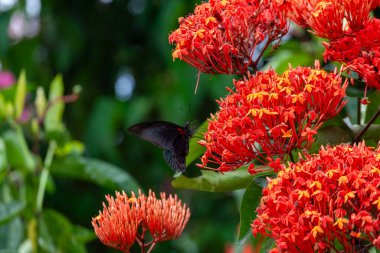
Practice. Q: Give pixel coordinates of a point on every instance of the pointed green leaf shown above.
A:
(215, 182)
(96, 171)
(249, 203)
(20, 95)
(9, 210)
(195, 150)
(55, 233)
(18, 153)
(53, 117)
(11, 235)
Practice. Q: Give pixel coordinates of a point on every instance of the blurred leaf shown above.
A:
(195, 150)
(56, 234)
(83, 235)
(332, 135)
(3, 111)
(96, 171)
(215, 182)
(53, 117)
(249, 203)
(9, 210)
(71, 147)
(18, 153)
(11, 235)
(372, 133)
(40, 102)
(262, 244)
(3, 159)
(373, 107)
(20, 95)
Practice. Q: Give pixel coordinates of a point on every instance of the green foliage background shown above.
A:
(90, 43)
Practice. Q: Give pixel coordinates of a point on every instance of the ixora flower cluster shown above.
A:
(222, 36)
(126, 220)
(353, 34)
(325, 202)
(268, 115)
(330, 200)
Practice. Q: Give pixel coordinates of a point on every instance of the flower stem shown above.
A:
(44, 176)
(151, 247)
(370, 122)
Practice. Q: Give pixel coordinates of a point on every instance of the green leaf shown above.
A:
(40, 102)
(20, 95)
(262, 243)
(18, 153)
(11, 235)
(96, 171)
(195, 150)
(215, 182)
(3, 111)
(71, 147)
(53, 118)
(83, 235)
(56, 234)
(3, 159)
(373, 106)
(9, 210)
(249, 203)
(331, 135)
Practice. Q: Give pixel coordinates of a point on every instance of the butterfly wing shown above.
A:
(174, 139)
(159, 133)
(176, 156)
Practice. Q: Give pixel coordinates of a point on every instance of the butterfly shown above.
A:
(172, 138)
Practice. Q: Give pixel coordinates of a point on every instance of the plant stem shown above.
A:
(370, 122)
(44, 176)
(151, 247)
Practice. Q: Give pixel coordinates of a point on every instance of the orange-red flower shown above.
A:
(360, 51)
(269, 115)
(327, 201)
(329, 18)
(222, 35)
(117, 226)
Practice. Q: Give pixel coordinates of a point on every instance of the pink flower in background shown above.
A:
(7, 79)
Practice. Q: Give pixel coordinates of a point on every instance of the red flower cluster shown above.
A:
(222, 35)
(269, 115)
(360, 51)
(331, 19)
(330, 200)
(118, 224)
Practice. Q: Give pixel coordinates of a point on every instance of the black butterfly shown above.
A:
(174, 139)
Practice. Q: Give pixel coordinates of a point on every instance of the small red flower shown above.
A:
(222, 35)
(269, 115)
(329, 18)
(327, 201)
(360, 51)
(117, 226)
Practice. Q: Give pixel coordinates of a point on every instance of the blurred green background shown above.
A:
(118, 51)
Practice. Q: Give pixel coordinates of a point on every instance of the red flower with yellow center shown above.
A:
(328, 201)
(331, 19)
(222, 35)
(269, 115)
(360, 52)
(119, 223)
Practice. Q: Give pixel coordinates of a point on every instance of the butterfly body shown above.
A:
(172, 138)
